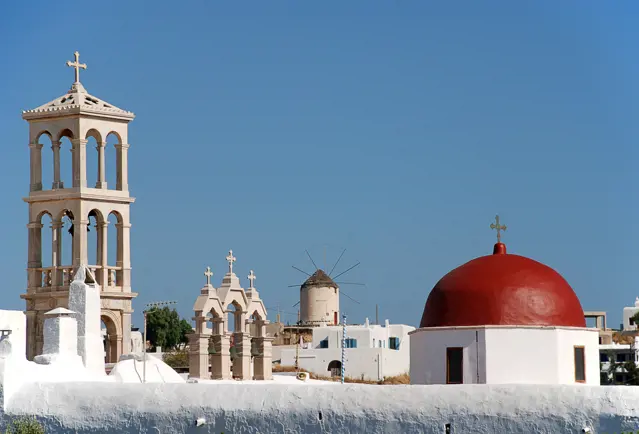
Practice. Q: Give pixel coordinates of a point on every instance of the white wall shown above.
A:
(629, 312)
(16, 321)
(507, 355)
(353, 408)
(428, 354)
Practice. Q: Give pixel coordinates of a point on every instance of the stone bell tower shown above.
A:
(78, 116)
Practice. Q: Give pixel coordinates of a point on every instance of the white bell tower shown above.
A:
(78, 116)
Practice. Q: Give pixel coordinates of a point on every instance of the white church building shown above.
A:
(504, 319)
(373, 351)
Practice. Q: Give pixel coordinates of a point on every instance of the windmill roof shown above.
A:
(319, 278)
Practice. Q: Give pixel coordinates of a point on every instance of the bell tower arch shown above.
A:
(80, 209)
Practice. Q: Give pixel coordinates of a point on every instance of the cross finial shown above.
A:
(252, 278)
(498, 227)
(231, 259)
(77, 65)
(208, 273)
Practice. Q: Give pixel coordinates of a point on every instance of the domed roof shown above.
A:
(319, 278)
(502, 289)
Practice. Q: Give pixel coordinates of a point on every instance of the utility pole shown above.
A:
(343, 345)
(377, 314)
(147, 307)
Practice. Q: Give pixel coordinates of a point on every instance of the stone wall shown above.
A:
(230, 408)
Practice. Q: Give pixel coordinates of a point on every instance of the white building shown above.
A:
(628, 313)
(373, 352)
(617, 354)
(504, 319)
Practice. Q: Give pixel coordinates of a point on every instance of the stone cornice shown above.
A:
(83, 193)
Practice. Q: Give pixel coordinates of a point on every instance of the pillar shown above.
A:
(35, 254)
(122, 170)
(31, 333)
(124, 256)
(56, 252)
(79, 163)
(102, 254)
(57, 183)
(263, 360)
(242, 362)
(126, 330)
(101, 183)
(221, 354)
(36, 166)
(80, 240)
(199, 355)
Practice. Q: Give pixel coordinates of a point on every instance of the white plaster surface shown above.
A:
(130, 369)
(16, 321)
(84, 300)
(230, 408)
(505, 355)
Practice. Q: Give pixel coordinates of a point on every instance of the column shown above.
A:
(221, 355)
(35, 254)
(31, 333)
(123, 257)
(56, 252)
(102, 254)
(80, 238)
(79, 163)
(36, 166)
(122, 162)
(57, 183)
(101, 166)
(242, 362)
(126, 331)
(199, 355)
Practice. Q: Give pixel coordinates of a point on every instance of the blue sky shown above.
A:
(396, 130)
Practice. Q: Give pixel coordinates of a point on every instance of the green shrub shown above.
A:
(25, 426)
(177, 359)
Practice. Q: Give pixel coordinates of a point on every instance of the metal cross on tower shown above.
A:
(231, 259)
(498, 227)
(208, 273)
(77, 66)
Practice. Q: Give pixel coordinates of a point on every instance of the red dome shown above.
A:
(502, 289)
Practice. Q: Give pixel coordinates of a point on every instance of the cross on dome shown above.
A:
(231, 259)
(77, 66)
(498, 227)
(251, 278)
(208, 273)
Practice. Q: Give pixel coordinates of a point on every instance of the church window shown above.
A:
(454, 365)
(324, 343)
(580, 365)
(393, 343)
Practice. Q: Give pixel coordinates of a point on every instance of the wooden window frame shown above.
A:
(574, 356)
(448, 350)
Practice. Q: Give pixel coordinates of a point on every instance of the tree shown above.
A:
(165, 329)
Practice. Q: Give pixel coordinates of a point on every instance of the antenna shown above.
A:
(377, 314)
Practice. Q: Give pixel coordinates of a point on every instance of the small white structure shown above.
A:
(504, 355)
(319, 300)
(60, 338)
(16, 322)
(373, 352)
(84, 299)
(131, 366)
(628, 313)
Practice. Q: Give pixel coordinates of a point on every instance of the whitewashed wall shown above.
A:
(16, 321)
(507, 355)
(335, 408)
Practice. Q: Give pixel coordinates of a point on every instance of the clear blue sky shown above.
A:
(394, 129)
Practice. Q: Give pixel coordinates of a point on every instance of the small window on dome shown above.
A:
(580, 364)
(454, 365)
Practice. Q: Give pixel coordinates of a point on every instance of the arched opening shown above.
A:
(110, 155)
(335, 368)
(255, 325)
(66, 238)
(114, 248)
(66, 159)
(233, 316)
(110, 336)
(46, 160)
(93, 169)
(46, 245)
